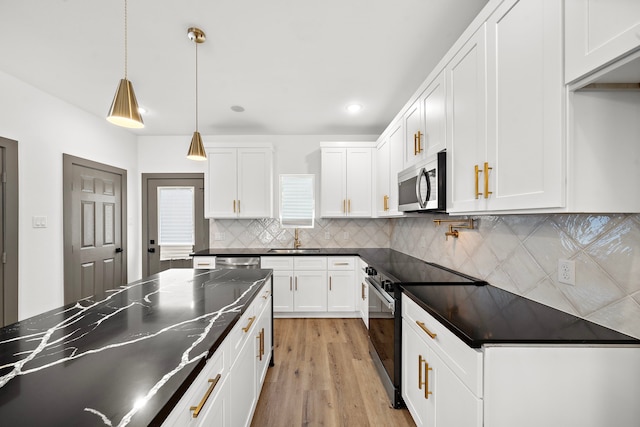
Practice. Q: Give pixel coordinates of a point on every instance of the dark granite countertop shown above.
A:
(124, 357)
(482, 315)
(477, 313)
(399, 267)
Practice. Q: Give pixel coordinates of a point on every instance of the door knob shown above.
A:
(118, 250)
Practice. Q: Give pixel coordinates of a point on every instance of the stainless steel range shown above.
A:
(385, 319)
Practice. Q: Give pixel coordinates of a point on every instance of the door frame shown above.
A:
(67, 185)
(11, 231)
(146, 177)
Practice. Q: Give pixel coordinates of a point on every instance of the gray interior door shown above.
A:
(8, 231)
(151, 255)
(94, 228)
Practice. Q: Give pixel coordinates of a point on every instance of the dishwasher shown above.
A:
(238, 262)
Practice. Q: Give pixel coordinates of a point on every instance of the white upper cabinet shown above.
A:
(239, 182)
(598, 32)
(467, 122)
(425, 124)
(346, 180)
(525, 98)
(389, 162)
(506, 126)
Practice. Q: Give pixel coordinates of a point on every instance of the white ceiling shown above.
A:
(292, 64)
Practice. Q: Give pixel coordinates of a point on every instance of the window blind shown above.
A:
(297, 201)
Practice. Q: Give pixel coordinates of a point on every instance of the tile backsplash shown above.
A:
(326, 233)
(518, 253)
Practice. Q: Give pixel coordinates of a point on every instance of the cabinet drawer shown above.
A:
(204, 262)
(341, 263)
(310, 263)
(262, 298)
(216, 369)
(464, 361)
(277, 262)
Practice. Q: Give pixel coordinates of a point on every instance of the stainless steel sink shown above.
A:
(294, 251)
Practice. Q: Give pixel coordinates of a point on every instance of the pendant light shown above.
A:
(124, 108)
(196, 149)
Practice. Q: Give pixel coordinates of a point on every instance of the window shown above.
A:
(297, 202)
(176, 223)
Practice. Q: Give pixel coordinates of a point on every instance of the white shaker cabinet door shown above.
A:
(598, 32)
(467, 121)
(333, 191)
(359, 181)
(221, 183)
(255, 183)
(525, 94)
(310, 291)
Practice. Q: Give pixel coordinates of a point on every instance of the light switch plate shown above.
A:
(39, 221)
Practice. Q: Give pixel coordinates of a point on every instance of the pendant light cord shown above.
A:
(125, 40)
(196, 43)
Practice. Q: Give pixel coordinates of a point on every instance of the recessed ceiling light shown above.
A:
(353, 108)
(237, 108)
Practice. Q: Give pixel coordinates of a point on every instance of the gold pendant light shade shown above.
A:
(196, 149)
(124, 108)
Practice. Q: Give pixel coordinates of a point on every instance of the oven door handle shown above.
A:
(373, 287)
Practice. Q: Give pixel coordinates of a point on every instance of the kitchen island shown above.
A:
(125, 357)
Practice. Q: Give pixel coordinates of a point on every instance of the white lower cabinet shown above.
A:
(447, 383)
(226, 392)
(434, 394)
(363, 295)
(341, 296)
(313, 286)
(569, 386)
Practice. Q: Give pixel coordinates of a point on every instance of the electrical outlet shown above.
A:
(345, 235)
(327, 235)
(567, 272)
(219, 236)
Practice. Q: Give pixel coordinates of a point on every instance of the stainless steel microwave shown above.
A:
(422, 187)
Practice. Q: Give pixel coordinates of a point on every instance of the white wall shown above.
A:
(45, 128)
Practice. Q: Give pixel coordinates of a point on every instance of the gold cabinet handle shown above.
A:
(419, 142)
(424, 328)
(420, 372)
(415, 144)
(362, 291)
(296, 283)
(341, 263)
(200, 264)
(385, 203)
(196, 409)
(486, 180)
(344, 205)
(260, 338)
(238, 206)
(234, 206)
(266, 294)
(349, 206)
(246, 328)
(477, 171)
(290, 283)
(329, 282)
(426, 380)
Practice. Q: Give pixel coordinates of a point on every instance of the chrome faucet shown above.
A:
(296, 239)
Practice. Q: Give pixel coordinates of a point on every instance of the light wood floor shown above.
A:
(324, 376)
